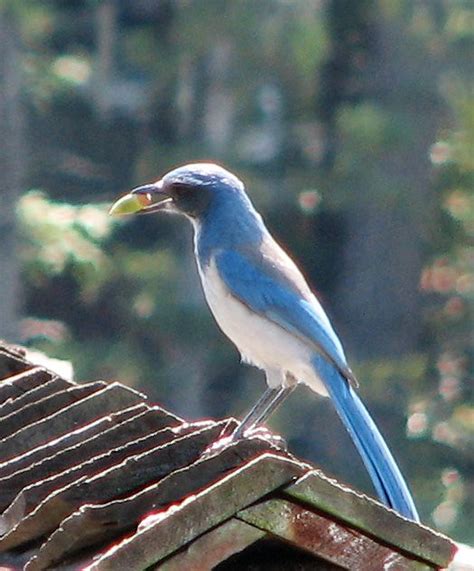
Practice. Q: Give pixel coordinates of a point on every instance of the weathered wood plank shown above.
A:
(168, 531)
(360, 512)
(12, 362)
(326, 538)
(144, 430)
(35, 411)
(52, 447)
(112, 398)
(23, 381)
(23, 522)
(32, 494)
(54, 385)
(96, 523)
(215, 546)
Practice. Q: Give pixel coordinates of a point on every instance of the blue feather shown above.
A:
(259, 287)
(384, 472)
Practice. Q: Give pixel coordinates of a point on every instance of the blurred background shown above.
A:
(352, 126)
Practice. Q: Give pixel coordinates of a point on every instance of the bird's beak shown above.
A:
(142, 200)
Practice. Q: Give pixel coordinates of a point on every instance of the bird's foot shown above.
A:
(264, 433)
(225, 439)
(217, 447)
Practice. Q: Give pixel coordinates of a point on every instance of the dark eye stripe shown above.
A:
(180, 188)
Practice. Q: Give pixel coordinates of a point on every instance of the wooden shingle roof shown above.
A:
(93, 476)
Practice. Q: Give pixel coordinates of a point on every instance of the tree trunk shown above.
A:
(378, 300)
(12, 168)
(106, 23)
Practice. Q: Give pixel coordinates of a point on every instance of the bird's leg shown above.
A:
(264, 407)
(282, 395)
(257, 411)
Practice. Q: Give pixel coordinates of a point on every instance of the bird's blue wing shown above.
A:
(259, 285)
(273, 289)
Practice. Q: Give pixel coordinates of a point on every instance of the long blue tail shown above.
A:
(386, 476)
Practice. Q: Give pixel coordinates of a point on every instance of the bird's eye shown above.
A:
(180, 189)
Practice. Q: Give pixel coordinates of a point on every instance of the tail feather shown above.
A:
(384, 472)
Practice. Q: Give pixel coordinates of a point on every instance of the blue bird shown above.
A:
(261, 301)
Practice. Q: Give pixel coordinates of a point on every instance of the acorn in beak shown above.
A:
(142, 200)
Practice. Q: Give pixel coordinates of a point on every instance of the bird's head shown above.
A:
(188, 190)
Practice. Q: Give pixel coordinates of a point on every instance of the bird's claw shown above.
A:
(261, 432)
(217, 447)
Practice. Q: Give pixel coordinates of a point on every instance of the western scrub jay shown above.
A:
(263, 304)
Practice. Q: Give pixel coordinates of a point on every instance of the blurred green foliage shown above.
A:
(316, 106)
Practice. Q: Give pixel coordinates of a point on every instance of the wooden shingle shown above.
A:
(93, 476)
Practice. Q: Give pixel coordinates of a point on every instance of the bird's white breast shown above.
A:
(260, 341)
